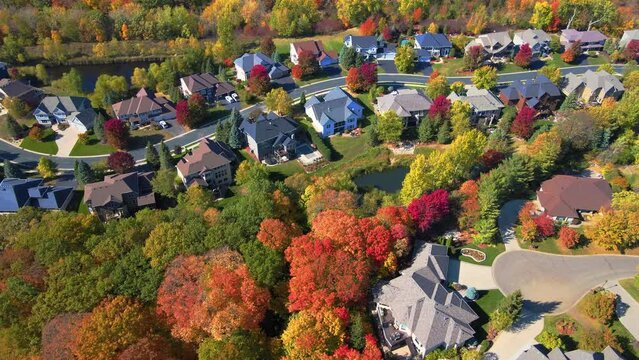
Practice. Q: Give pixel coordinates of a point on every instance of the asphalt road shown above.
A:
(30, 160)
(554, 283)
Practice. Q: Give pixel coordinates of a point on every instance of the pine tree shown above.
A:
(152, 156)
(443, 136)
(166, 160)
(11, 170)
(221, 73)
(276, 57)
(14, 130)
(98, 127)
(83, 173)
(357, 332)
(372, 137)
(570, 103)
(207, 65)
(302, 98)
(427, 130)
(347, 57)
(235, 138)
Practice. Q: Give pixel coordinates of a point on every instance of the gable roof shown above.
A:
(539, 352)
(492, 43)
(198, 82)
(364, 42)
(247, 61)
(335, 106)
(531, 37)
(564, 195)
(534, 88)
(628, 36)
(68, 104)
(573, 35)
(143, 102)
(479, 99)
(420, 301)
(593, 81)
(16, 193)
(18, 89)
(268, 127)
(404, 102)
(210, 154)
(114, 187)
(433, 40)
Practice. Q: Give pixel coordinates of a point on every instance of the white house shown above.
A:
(333, 113)
(75, 111)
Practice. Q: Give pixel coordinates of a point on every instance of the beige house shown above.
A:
(209, 165)
(593, 87)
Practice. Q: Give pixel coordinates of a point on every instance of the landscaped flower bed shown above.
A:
(474, 254)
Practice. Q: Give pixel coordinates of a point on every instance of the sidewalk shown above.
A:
(627, 309)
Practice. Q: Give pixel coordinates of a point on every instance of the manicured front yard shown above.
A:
(450, 67)
(550, 245)
(631, 287)
(491, 252)
(92, 147)
(486, 303)
(47, 145)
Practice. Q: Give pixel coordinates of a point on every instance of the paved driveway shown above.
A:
(65, 140)
(506, 222)
(471, 275)
(554, 283)
(627, 309)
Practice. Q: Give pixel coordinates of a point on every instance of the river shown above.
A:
(90, 73)
(389, 180)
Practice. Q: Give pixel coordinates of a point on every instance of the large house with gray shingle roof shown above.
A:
(497, 44)
(366, 46)
(271, 137)
(538, 93)
(538, 40)
(539, 352)
(73, 110)
(410, 104)
(593, 87)
(119, 195)
(334, 112)
(143, 108)
(418, 310)
(207, 85)
(16, 89)
(435, 44)
(208, 165)
(485, 107)
(16, 193)
(245, 63)
(591, 40)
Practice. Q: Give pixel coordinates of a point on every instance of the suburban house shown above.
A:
(246, 62)
(207, 85)
(271, 137)
(19, 90)
(4, 70)
(593, 87)
(418, 310)
(366, 46)
(627, 37)
(485, 106)
(538, 93)
(208, 165)
(495, 45)
(437, 45)
(565, 197)
(143, 108)
(120, 195)
(324, 58)
(591, 40)
(538, 40)
(410, 104)
(334, 112)
(539, 352)
(73, 110)
(16, 193)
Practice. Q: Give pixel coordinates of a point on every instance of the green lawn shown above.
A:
(332, 42)
(487, 303)
(47, 145)
(631, 287)
(592, 60)
(491, 253)
(92, 147)
(140, 137)
(450, 67)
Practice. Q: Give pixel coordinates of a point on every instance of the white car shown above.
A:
(164, 124)
(229, 99)
(235, 97)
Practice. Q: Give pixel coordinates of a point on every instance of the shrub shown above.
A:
(568, 237)
(565, 327)
(36, 132)
(63, 126)
(549, 340)
(83, 138)
(545, 225)
(599, 304)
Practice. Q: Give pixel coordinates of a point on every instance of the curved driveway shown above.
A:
(30, 159)
(554, 283)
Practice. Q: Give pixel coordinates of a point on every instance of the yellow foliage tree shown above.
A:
(124, 32)
(460, 117)
(310, 334)
(478, 20)
(433, 28)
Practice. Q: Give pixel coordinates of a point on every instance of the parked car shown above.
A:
(229, 99)
(164, 124)
(235, 97)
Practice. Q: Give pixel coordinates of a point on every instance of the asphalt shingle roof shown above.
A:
(335, 106)
(268, 126)
(210, 154)
(564, 195)
(433, 40)
(404, 102)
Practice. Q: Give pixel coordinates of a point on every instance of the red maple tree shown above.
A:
(121, 162)
(297, 72)
(116, 133)
(258, 82)
(491, 158)
(276, 234)
(369, 352)
(440, 108)
(524, 56)
(568, 237)
(182, 112)
(429, 209)
(368, 27)
(545, 225)
(522, 126)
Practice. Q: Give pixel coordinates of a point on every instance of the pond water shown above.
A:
(90, 73)
(389, 180)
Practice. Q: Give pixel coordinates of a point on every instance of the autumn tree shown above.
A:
(439, 108)
(390, 127)
(279, 101)
(192, 112)
(552, 72)
(108, 90)
(478, 20)
(121, 162)
(437, 85)
(523, 124)
(46, 167)
(311, 333)
(485, 77)
(308, 63)
(112, 326)
(568, 237)
(460, 117)
(469, 206)
(615, 229)
(473, 57)
(293, 17)
(545, 225)
(276, 234)
(405, 58)
(241, 345)
(429, 209)
(360, 79)
(353, 13)
(524, 56)
(542, 15)
(370, 351)
(368, 27)
(116, 133)
(267, 46)
(599, 304)
(259, 82)
(169, 239)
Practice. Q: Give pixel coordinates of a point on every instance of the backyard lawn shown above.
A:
(333, 42)
(632, 287)
(486, 303)
(47, 145)
(92, 147)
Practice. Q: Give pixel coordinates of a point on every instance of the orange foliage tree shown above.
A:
(276, 234)
(368, 27)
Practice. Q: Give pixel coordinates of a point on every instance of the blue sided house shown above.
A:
(333, 113)
(16, 193)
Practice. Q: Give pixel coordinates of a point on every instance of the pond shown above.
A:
(90, 73)
(389, 180)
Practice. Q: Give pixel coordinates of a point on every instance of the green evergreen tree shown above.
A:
(12, 170)
(570, 103)
(166, 160)
(302, 99)
(98, 127)
(276, 57)
(152, 156)
(347, 57)
(13, 129)
(444, 136)
(235, 137)
(372, 138)
(221, 73)
(357, 332)
(207, 65)
(427, 130)
(83, 173)
(223, 130)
